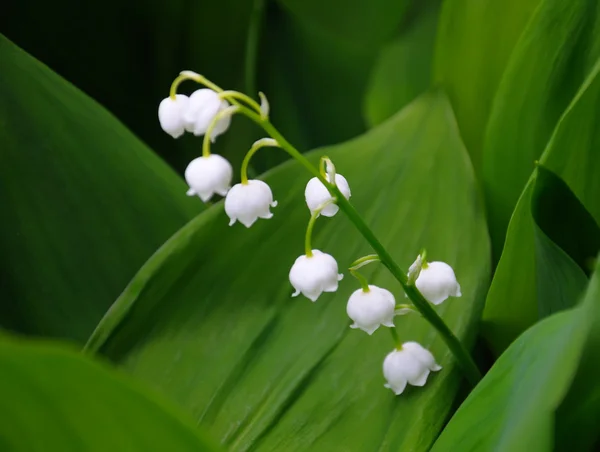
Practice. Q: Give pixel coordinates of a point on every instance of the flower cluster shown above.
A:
(208, 112)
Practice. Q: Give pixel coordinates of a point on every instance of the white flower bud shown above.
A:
(437, 282)
(207, 176)
(313, 275)
(247, 203)
(170, 114)
(412, 364)
(316, 194)
(371, 309)
(264, 106)
(204, 105)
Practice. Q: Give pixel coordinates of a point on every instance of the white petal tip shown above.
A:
(232, 222)
(389, 324)
(354, 326)
(340, 277)
(295, 294)
(191, 192)
(436, 367)
(274, 204)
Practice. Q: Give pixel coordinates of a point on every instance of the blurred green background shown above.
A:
(467, 127)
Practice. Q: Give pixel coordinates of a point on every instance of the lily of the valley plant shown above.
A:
(208, 112)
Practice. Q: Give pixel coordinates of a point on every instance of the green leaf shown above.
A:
(327, 92)
(209, 319)
(376, 21)
(84, 202)
(578, 415)
(403, 68)
(53, 398)
(474, 43)
(514, 405)
(535, 276)
(513, 302)
(551, 61)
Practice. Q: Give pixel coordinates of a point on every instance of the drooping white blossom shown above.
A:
(313, 275)
(316, 194)
(248, 202)
(437, 282)
(371, 309)
(208, 175)
(171, 114)
(204, 105)
(409, 365)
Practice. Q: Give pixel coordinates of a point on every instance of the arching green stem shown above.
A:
(365, 260)
(361, 279)
(206, 142)
(395, 338)
(405, 307)
(230, 95)
(311, 224)
(263, 142)
(464, 359)
(190, 75)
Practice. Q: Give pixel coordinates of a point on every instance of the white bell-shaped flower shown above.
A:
(204, 105)
(208, 175)
(316, 194)
(171, 113)
(437, 282)
(371, 309)
(313, 275)
(411, 364)
(247, 203)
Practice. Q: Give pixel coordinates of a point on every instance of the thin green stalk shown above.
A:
(311, 224)
(464, 359)
(263, 142)
(361, 279)
(308, 237)
(240, 96)
(462, 356)
(396, 338)
(207, 135)
(362, 261)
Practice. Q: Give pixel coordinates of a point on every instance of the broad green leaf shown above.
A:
(209, 319)
(474, 43)
(84, 203)
(327, 92)
(403, 68)
(125, 54)
(578, 416)
(535, 276)
(559, 210)
(364, 24)
(513, 407)
(54, 399)
(551, 61)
